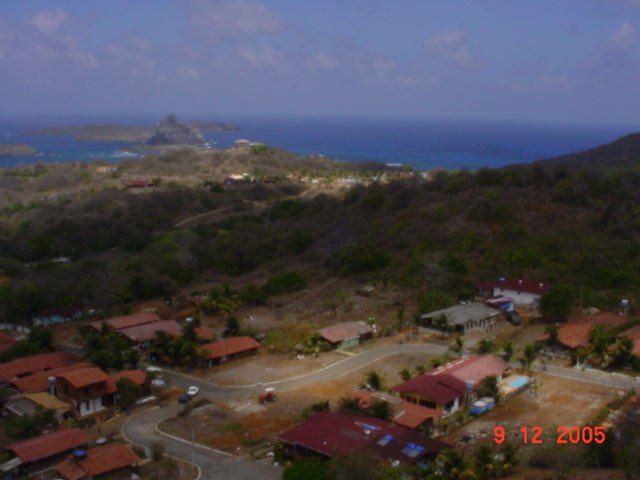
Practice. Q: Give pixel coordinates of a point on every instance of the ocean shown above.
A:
(423, 144)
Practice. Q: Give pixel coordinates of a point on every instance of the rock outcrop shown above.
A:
(171, 132)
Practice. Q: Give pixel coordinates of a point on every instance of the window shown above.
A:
(386, 440)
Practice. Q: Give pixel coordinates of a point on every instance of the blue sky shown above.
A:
(575, 61)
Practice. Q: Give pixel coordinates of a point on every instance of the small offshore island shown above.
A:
(128, 133)
(16, 149)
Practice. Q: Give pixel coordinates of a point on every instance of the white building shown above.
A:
(523, 292)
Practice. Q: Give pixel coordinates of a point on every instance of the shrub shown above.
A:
(285, 283)
(157, 450)
(357, 258)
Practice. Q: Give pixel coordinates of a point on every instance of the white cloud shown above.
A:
(321, 61)
(136, 62)
(224, 19)
(49, 22)
(188, 72)
(614, 52)
(264, 57)
(451, 45)
(623, 37)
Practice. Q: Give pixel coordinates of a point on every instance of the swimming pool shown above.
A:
(519, 382)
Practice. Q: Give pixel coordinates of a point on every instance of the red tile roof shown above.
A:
(127, 321)
(146, 332)
(634, 334)
(341, 433)
(46, 446)
(35, 363)
(229, 346)
(100, 460)
(473, 368)
(6, 342)
(344, 331)
(205, 333)
(84, 377)
(412, 416)
(575, 333)
(442, 389)
(135, 376)
(39, 381)
(516, 285)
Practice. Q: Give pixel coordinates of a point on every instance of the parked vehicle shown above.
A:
(267, 396)
(184, 398)
(514, 317)
(193, 390)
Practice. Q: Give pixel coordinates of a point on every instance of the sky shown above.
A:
(569, 61)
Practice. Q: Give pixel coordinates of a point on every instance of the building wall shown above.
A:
(85, 401)
(519, 298)
(228, 358)
(419, 399)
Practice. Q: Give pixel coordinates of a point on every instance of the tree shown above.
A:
(489, 388)
(457, 346)
(42, 338)
(307, 469)
(528, 357)
(557, 302)
(486, 346)
(601, 338)
(349, 402)
(507, 350)
(381, 409)
(483, 462)
(128, 392)
(552, 333)
(623, 353)
(157, 451)
(232, 328)
(373, 380)
(190, 328)
(222, 300)
(405, 374)
(356, 466)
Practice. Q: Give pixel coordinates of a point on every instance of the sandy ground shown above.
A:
(558, 402)
(266, 367)
(244, 426)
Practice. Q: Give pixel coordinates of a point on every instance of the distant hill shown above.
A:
(623, 152)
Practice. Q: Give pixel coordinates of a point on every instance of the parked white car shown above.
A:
(193, 390)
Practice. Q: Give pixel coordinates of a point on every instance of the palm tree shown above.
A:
(223, 300)
(528, 357)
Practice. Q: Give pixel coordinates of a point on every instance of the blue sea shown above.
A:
(423, 144)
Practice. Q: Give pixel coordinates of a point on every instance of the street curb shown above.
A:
(128, 440)
(297, 377)
(187, 442)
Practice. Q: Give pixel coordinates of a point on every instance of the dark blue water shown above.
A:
(421, 143)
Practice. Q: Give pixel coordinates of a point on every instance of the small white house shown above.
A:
(523, 292)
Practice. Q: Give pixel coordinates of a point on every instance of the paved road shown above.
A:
(615, 380)
(141, 429)
(215, 465)
(331, 372)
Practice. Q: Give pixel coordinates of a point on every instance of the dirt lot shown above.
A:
(559, 402)
(244, 426)
(267, 367)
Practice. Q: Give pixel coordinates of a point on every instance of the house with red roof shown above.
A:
(445, 388)
(127, 321)
(230, 348)
(40, 381)
(143, 334)
(346, 334)
(85, 389)
(522, 291)
(36, 451)
(406, 414)
(330, 434)
(443, 393)
(21, 367)
(105, 459)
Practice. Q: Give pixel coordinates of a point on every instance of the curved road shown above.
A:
(215, 465)
(142, 429)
